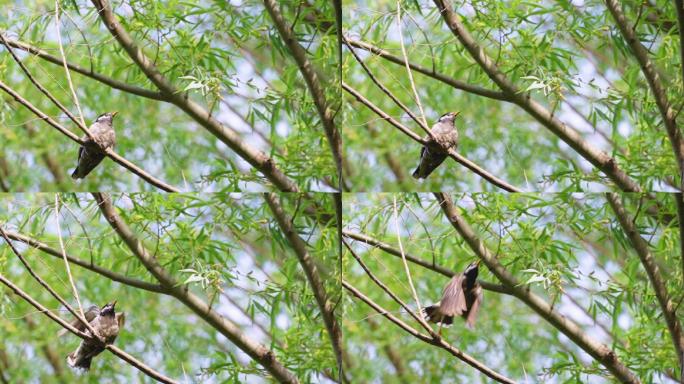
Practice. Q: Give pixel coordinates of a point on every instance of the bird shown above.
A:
(91, 153)
(89, 315)
(462, 296)
(107, 324)
(435, 150)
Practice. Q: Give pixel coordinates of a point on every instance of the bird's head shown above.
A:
(472, 270)
(108, 309)
(106, 117)
(449, 117)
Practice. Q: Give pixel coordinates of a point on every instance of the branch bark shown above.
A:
(648, 261)
(452, 153)
(653, 78)
(225, 134)
(416, 260)
(109, 152)
(569, 135)
(325, 304)
(439, 342)
(597, 350)
(119, 278)
(227, 328)
(313, 83)
(112, 348)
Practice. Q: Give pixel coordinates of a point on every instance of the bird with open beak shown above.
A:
(93, 150)
(462, 296)
(107, 324)
(436, 150)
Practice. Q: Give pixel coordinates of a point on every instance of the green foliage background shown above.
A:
(228, 249)
(569, 249)
(214, 50)
(567, 55)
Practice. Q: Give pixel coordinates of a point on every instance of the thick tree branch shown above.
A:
(474, 89)
(119, 278)
(659, 93)
(569, 135)
(227, 135)
(452, 153)
(313, 82)
(597, 350)
(439, 342)
(416, 260)
(648, 261)
(112, 348)
(109, 152)
(325, 304)
(227, 328)
(113, 83)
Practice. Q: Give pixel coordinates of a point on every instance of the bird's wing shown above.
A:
(121, 319)
(475, 306)
(89, 314)
(453, 301)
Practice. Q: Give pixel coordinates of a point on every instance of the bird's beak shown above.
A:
(113, 303)
(456, 113)
(477, 263)
(115, 113)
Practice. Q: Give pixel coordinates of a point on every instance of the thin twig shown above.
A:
(599, 351)
(452, 153)
(115, 350)
(403, 258)
(439, 342)
(66, 262)
(66, 69)
(424, 125)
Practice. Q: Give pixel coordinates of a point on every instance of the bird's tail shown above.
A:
(83, 363)
(431, 314)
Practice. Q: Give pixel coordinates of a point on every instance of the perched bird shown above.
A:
(435, 151)
(106, 324)
(91, 152)
(461, 297)
(89, 315)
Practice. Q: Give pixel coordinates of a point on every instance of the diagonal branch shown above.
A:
(313, 82)
(569, 135)
(452, 153)
(112, 155)
(654, 82)
(119, 278)
(470, 88)
(648, 261)
(325, 304)
(439, 342)
(258, 159)
(113, 83)
(597, 350)
(418, 261)
(227, 328)
(112, 348)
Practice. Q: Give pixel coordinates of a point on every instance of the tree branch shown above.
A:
(109, 152)
(439, 342)
(119, 278)
(416, 260)
(311, 78)
(225, 134)
(641, 54)
(227, 328)
(597, 350)
(452, 153)
(648, 261)
(474, 89)
(115, 350)
(569, 135)
(325, 304)
(113, 83)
